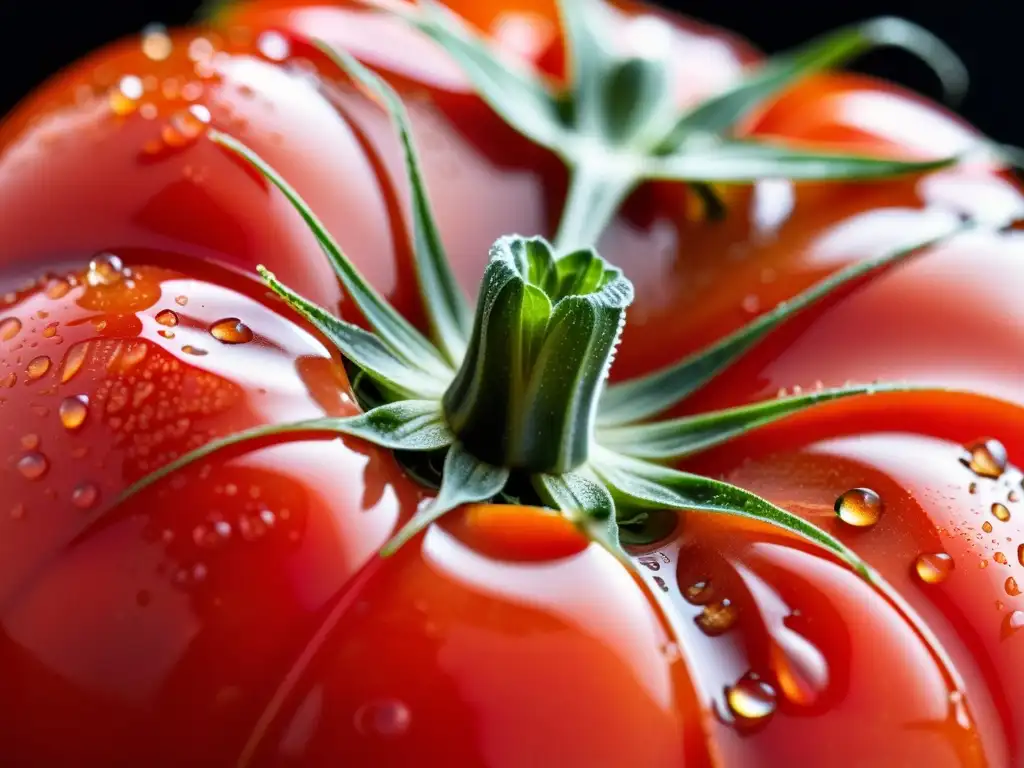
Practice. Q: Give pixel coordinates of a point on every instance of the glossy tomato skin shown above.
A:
(151, 632)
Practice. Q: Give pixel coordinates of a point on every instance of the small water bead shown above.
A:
(105, 269)
(231, 330)
(1002, 514)
(698, 593)
(9, 380)
(167, 317)
(33, 465)
(934, 568)
(1000, 558)
(751, 699)
(9, 328)
(164, 333)
(50, 330)
(57, 288)
(986, 457)
(73, 411)
(1011, 587)
(85, 496)
(717, 618)
(156, 43)
(38, 366)
(1013, 622)
(181, 301)
(972, 488)
(859, 507)
(387, 718)
(986, 527)
(188, 349)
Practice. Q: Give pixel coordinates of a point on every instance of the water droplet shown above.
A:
(9, 380)
(9, 328)
(85, 495)
(972, 488)
(156, 43)
(986, 527)
(73, 411)
(1000, 558)
(1012, 496)
(57, 288)
(959, 704)
(1020, 554)
(38, 366)
(124, 97)
(164, 333)
(934, 568)
(1002, 514)
(181, 301)
(1012, 589)
(50, 330)
(33, 465)
(167, 317)
(274, 46)
(800, 668)
(188, 349)
(231, 330)
(859, 507)
(387, 718)
(105, 269)
(986, 457)
(1013, 622)
(698, 593)
(717, 618)
(751, 699)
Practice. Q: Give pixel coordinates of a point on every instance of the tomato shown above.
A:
(501, 637)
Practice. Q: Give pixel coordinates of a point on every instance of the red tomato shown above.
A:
(500, 637)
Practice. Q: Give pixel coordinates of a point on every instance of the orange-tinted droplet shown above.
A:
(986, 457)
(188, 349)
(934, 568)
(85, 496)
(1011, 587)
(33, 465)
(751, 699)
(1002, 514)
(50, 330)
(1000, 558)
(124, 97)
(986, 527)
(717, 618)
(73, 362)
(231, 330)
(105, 269)
(163, 332)
(38, 366)
(1020, 554)
(167, 317)
(9, 380)
(57, 288)
(9, 328)
(73, 411)
(859, 507)
(698, 593)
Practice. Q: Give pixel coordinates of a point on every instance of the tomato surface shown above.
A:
(142, 633)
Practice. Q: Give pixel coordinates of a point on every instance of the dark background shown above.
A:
(39, 37)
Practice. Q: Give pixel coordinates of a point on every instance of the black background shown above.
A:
(39, 37)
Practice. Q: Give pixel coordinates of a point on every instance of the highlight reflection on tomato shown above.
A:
(237, 612)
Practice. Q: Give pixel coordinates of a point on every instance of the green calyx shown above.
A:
(614, 121)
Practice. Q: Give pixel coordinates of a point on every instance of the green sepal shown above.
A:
(726, 161)
(409, 425)
(447, 312)
(724, 111)
(362, 348)
(652, 486)
(394, 330)
(525, 396)
(465, 480)
(585, 501)
(676, 439)
(646, 396)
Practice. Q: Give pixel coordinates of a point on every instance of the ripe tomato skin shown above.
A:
(151, 632)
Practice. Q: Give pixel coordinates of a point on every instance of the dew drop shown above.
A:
(986, 457)
(85, 496)
(50, 330)
(231, 330)
(986, 527)
(181, 301)
(73, 411)
(9, 328)
(274, 46)
(717, 618)
(105, 269)
(38, 366)
(387, 718)
(698, 593)
(933, 568)
(1020, 554)
(167, 317)
(859, 507)
(188, 349)
(1002, 514)
(9, 380)
(1011, 587)
(800, 668)
(1000, 558)
(156, 43)
(33, 465)
(751, 699)
(1013, 622)
(164, 333)
(57, 288)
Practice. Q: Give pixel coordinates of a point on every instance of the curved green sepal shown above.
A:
(446, 308)
(587, 503)
(408, 425)
(465, 480)
(526, 394)
(678, 438)
(402, 339)
(722, 112)
(726, 161)
(653, 486)
(647, 396)
(363, 348)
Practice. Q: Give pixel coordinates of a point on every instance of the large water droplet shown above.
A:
(986, 527)
(57, 288)
(751, 699)
(9, 328)
(933, 568)
(1011, 587)
(105, 269)
(387, 718)
(231, 330)
(1002, 514)
(1000, 558)
(800, 667)
(1013, 622)
(85, 496)
(167, 317)
(33, 465)
(717, 618)
(38, 366)
(73, 362)
(986, 457)
(859, 507)
(73, 411)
